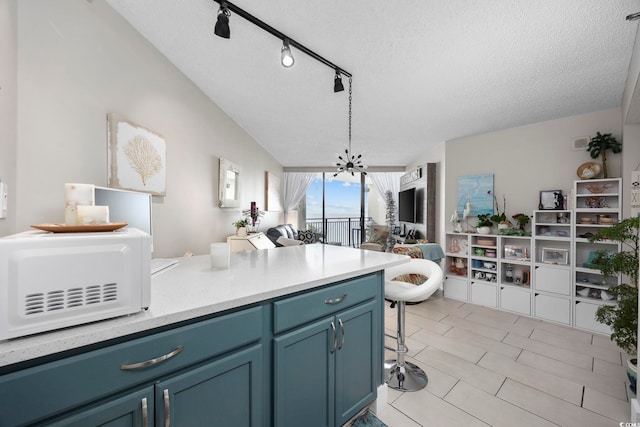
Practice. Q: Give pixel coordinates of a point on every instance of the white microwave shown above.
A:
(55, 280)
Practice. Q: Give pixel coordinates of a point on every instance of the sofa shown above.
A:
(287, 235)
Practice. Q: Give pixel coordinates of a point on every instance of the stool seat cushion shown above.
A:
(402, 291)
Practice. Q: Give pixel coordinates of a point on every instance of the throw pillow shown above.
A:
(413, 252)
(414, 279)
(379, 237)
(307, 236)
(284, 241)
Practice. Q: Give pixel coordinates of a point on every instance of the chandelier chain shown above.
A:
(350, 79)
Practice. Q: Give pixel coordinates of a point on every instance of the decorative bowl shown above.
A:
(605, 296)
(486, 242)
(588, 170)
(597, 188)
(583, 292)
(585, 220)
(605, 219)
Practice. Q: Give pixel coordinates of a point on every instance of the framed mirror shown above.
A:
(229, 185)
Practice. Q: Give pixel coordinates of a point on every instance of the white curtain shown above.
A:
(387, 181)
(295, 187)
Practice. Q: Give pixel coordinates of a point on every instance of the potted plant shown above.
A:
(598, 147)
(498, 217)
(483, 226)
(622, 317)
(521, 219)
(241, 226)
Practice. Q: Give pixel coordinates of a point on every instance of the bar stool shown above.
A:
(400, 374)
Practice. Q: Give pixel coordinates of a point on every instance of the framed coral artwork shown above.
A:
(136, 157)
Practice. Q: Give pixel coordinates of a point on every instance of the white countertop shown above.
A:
(191, 289)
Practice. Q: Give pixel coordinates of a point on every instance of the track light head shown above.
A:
(286, 57)
(222, 24)
(337, 83)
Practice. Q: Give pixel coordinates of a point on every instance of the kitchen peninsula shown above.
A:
(283, 333)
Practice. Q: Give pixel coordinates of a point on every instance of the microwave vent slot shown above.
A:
(73, 298)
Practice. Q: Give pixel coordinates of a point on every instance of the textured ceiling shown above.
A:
(424, 71)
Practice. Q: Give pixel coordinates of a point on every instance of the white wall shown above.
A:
(8, 105)
(528, 159)
(79, 60)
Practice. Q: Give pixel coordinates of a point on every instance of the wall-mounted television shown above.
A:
(407, 205)
(132, 207)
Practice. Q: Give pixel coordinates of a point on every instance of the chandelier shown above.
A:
(349, 162)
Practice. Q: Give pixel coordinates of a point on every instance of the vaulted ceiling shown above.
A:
(424, 71)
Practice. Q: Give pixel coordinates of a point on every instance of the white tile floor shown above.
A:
(492, 368)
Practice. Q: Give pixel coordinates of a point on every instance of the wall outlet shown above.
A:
(4, 197)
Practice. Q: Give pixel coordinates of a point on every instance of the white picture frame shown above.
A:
(555, 256)
(136, 157)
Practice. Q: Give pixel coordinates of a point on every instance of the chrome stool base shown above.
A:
(411, 378)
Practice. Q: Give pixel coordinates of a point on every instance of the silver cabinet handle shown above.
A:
(145, 415)
(341, 333)
(335, 337)
(335, 300)
(167, 408)
(152, 361)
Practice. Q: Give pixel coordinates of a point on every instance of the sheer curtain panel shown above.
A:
(295, 187)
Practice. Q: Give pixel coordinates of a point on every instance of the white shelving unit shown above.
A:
(552, 237)
(490, 270)
(598, 204)
(547, 275)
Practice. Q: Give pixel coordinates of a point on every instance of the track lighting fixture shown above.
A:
(286, 57)
(633, 16)
(222, 24)
(348, 162)
(337, 83)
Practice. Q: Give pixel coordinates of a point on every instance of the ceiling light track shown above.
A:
(227, 7)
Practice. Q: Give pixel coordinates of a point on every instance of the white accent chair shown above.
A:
(400, 374)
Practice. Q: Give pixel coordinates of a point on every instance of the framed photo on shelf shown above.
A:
(551, 200)
(555, 256)
(515, 252)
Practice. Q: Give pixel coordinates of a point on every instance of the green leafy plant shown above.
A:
(241, 223)
(484, 220)
(521, 219)
(500, 217)
(622, 317)
(598, 147)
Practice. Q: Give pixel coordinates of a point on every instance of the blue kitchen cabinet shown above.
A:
(227, 392)
(133, 409)
(93, 386)
(224, 392)
(312, 358)
(327, 370)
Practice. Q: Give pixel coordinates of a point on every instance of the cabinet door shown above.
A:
(586, 318)
(553, 308)
(456, 288)
(304, 366)
(550, 279)
(226, 392)
(484, 294)
(131, 410)
(514, 299)
(356, 360)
